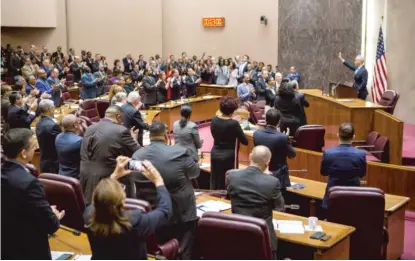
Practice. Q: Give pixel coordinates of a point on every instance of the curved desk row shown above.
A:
(213, 89)
(203, 108)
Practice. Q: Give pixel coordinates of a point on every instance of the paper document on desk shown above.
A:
(58, 255)
(213, 205)
(344, 100)
(199, 213)
(204, 165)
(83, 257)
(316, 229)
(288, 226)
(207, 97)
(198, 193)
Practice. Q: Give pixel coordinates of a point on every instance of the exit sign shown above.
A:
(213, 21)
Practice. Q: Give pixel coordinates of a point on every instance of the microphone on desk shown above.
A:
(292, 206)
(333, 90)
(73, 231)
(298, 170)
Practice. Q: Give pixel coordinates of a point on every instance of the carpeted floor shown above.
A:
(409, 248)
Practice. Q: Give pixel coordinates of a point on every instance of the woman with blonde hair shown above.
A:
(115, 233)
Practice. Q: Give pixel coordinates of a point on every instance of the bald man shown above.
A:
(68, 146)
(360, 75)
(256, 193)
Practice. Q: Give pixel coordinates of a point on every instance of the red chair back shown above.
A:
(382, 144)
(232, 236)
(102, 106)
(89, 109)
(366, 214)
(66, 194)
(389, 98)
(310, 137)
(372, 137)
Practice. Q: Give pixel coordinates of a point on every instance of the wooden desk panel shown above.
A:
(213, 89)
(203, 108)
(331, 112)
(310, 203)
(335, 248)
(67, 242)
(392, 179)
(391, 127)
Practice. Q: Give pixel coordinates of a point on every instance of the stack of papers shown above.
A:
(316, 229)
(60, 255)
(288, 226)
(207, 97)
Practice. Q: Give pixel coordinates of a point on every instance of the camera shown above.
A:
(135, 165)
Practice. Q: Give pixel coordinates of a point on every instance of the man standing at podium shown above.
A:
(360, 75)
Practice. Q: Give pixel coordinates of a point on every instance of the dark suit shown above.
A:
(244, 70)
(131, 117)
(191, 85)
(131, 244)
(135, 76)
(26, 218)
(95, 67)
(128, 65)
(280, 147)
(46, 132)
(162, 93)
(103, 142)
(256, 194)
(56, 95)
(291, 111)
(270, 96)
(175, 86)
(15, 65)
(300, 97)
(260, 89)
(150, 90)
(142, 64)
(177, 167)
(68, 147)
(360, 79)
(344, 165)
(18, 117)
(77, 72)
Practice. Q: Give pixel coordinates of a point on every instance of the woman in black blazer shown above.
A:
(290, 108)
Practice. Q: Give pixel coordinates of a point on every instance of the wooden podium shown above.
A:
(342, 91)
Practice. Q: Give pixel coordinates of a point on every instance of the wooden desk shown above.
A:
(151, 115)
(310, 198)
(331, 112)
(213, 89)
(74, 91)
(203, 109)
(297, 246)
(67, 242)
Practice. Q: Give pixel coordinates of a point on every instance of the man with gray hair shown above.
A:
(120, 99)
(68, 146)
(256, 193)
(132, 117)
(46, 132)
(360, 75)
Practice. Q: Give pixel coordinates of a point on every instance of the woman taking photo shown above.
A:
(186, 133)
(225, 132)
(119, 234)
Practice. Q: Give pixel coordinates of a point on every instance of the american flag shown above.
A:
(380, 84)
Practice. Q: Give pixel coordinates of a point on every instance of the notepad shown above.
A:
(207, 97)
(213, 205)
(344, 100)
(288, 226)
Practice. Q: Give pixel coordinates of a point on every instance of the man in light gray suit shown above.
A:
(177, 167)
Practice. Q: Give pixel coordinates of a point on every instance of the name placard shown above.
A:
(213, 21)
